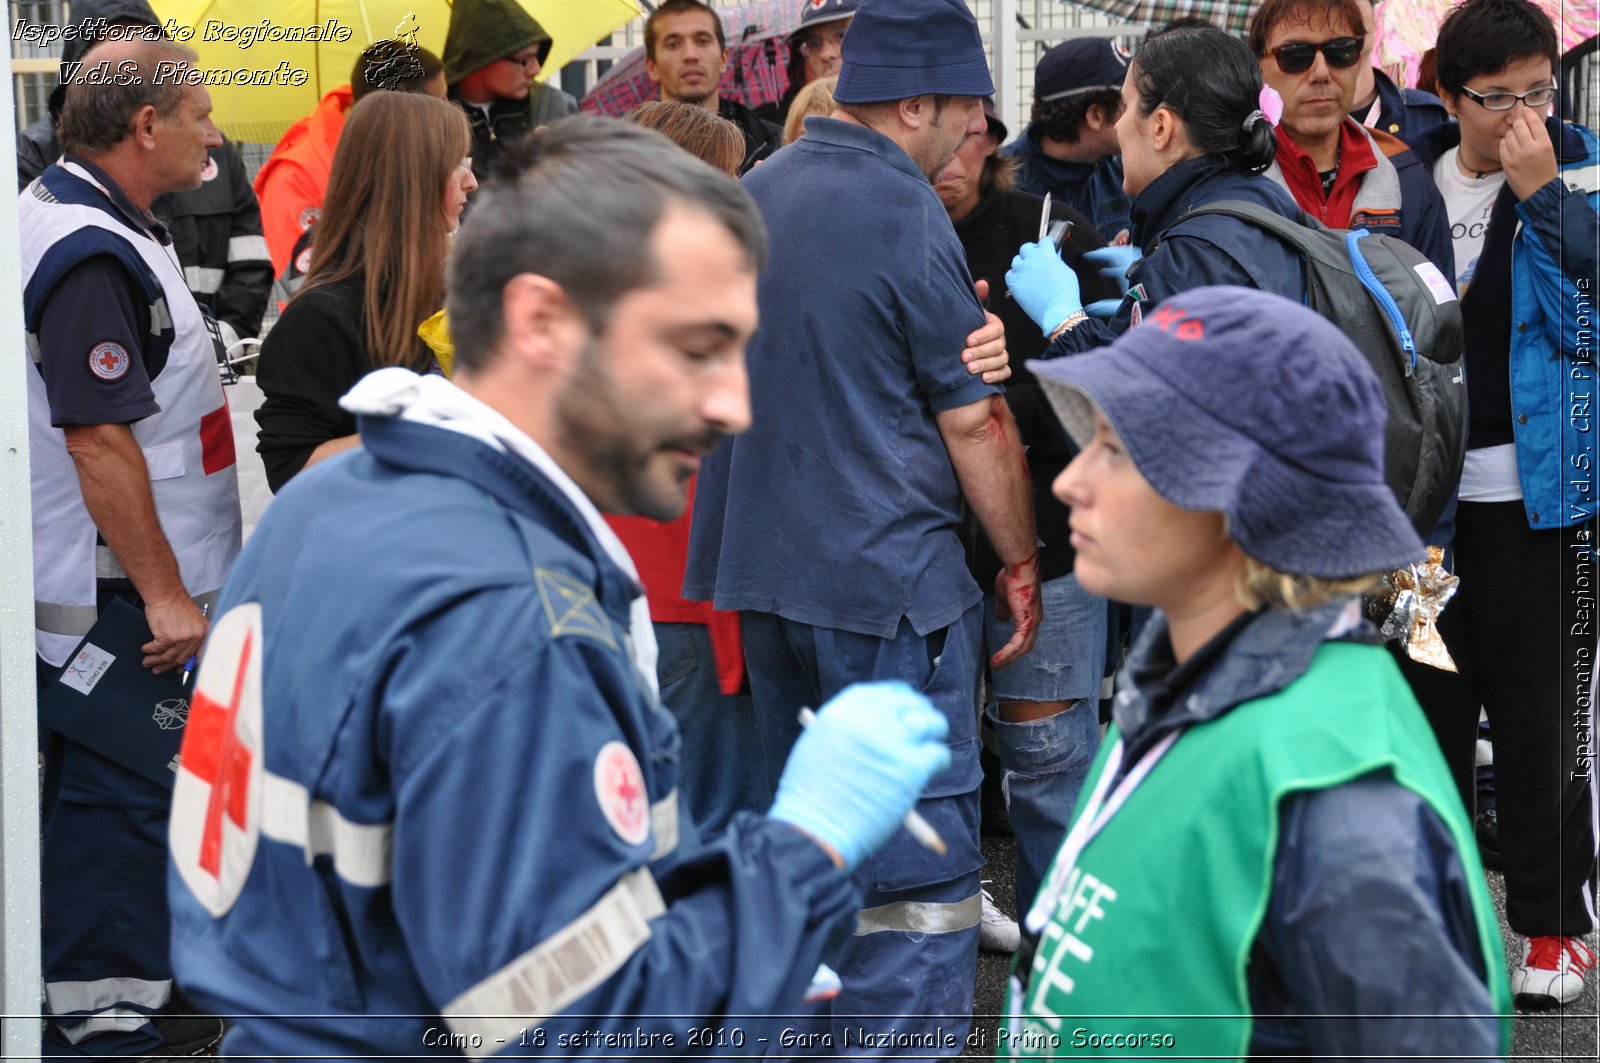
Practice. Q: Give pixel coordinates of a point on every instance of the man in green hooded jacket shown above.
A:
(492, 53)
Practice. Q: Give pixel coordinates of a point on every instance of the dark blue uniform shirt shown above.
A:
(839, 506)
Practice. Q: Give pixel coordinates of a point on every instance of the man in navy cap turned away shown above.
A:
(832, 522)
(1070, 146)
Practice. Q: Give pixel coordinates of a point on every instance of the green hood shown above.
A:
(482, 31)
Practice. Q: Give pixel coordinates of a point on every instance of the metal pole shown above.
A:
(1007, 76)
(20, 978)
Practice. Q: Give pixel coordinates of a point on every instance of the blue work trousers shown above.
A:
(910, 967)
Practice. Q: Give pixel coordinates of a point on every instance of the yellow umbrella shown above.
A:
(266, 71)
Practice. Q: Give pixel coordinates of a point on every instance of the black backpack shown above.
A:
(1403, 315)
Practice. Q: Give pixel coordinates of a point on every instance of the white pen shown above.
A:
(205, 610)
(915, 825)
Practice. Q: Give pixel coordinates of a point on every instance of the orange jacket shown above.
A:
(293, 180)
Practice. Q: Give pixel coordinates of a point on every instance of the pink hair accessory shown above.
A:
(1271, 104)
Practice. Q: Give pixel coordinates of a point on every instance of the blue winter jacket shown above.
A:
(1405, 112)
(452, 822)
(1182, 253)
(1093, 189)
(1553, 268)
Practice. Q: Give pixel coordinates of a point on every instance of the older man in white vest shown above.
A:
(135, 497)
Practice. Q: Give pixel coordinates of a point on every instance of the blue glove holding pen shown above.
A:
(854, 773)
(1043, 285)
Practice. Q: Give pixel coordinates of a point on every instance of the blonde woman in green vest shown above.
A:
(1269, 857)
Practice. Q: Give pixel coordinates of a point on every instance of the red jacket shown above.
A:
(293, 180)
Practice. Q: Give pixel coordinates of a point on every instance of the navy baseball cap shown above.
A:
(896, 49)
(1240, 401)
(816, 12)
(1078, 66)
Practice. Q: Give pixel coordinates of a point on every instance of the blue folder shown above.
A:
(106, 700)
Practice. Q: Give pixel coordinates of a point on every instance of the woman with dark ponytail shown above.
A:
(1192, 133)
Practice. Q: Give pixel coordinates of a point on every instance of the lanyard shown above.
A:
(1097, 813)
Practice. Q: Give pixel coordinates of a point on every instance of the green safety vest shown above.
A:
(1158, 913)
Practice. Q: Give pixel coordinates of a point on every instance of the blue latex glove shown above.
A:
(1043, 285)
(1105, 309)
(857, 770)
(1114, 262)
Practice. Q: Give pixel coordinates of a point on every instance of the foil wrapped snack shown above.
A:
(1409, 608)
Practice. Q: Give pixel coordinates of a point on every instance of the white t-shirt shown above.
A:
(1490, 475)
(1467, 201)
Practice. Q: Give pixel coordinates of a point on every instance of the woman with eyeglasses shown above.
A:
(815, 52)
(1522, 189)
(400, 179)
(1191, 132)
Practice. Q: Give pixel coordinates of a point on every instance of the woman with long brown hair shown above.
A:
(400, 179)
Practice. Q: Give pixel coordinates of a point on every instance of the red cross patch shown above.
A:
(619, 787)
(216, 800)
(109, 361)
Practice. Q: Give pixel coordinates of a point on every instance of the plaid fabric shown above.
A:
(758, 60)
(1233, 15)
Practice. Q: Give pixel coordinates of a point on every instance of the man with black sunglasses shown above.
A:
(1340, 172)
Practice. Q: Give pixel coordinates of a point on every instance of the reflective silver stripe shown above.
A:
(363, 853)
(160, 317)
(664, 825)
(920, 917)
(559, 970)
(65, 998)
(32, 342)
(116, 1020)
(106, 565)
(248, 249)
(56, 618)
(202, 280)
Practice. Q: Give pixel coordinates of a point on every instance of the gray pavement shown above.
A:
(1569, 1033)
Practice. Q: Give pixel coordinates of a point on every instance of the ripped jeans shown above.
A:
(1045, 761)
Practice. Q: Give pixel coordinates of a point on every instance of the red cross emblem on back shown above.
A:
(212, 751)
(216, 800)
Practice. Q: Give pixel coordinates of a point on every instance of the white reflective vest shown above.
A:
(187, 446)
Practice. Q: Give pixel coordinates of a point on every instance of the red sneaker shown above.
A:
(1551, 972)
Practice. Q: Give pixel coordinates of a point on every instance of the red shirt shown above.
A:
(660, 550)
(1305, 183)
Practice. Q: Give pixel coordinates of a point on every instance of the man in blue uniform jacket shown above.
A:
(427, 801)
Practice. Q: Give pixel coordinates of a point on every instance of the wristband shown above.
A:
(1075, 318)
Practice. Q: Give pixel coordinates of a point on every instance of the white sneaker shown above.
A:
(1551, 972)
(997, 931)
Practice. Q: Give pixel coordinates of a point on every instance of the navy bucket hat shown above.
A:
(1240, 401)
(896, 49)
